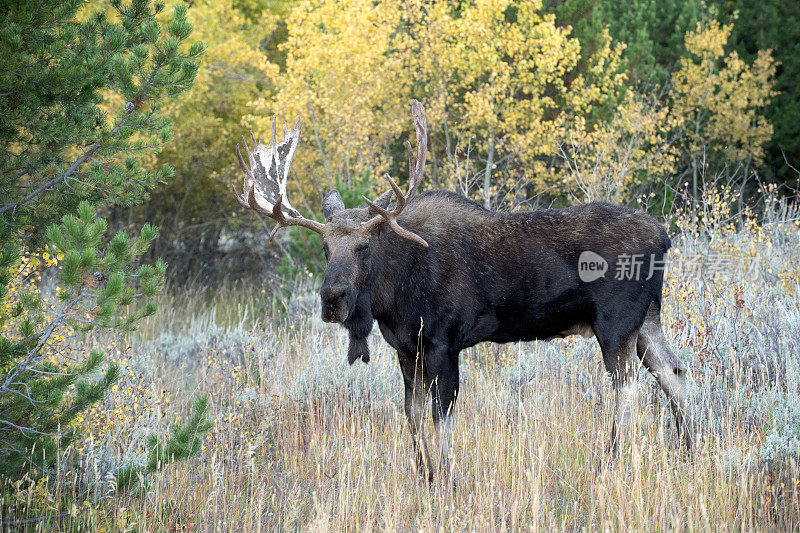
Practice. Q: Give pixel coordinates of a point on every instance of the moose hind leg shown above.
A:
(415, 396)
(621, 362)
(669, 371)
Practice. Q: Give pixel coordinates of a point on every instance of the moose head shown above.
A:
(347, 233)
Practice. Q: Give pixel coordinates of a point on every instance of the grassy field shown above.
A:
(302, 441)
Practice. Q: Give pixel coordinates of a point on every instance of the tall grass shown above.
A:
(303, 441)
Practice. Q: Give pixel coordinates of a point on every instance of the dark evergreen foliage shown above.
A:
(775, 25)
(653, 31)
(68, 151)
(183, 442)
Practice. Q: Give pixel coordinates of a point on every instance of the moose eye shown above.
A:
(362, 249)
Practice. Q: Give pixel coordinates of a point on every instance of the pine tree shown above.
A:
(80, 105)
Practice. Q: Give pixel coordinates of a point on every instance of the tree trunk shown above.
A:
(487, 173)
(320, 148)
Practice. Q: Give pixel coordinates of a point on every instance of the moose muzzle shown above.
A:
(335, 303)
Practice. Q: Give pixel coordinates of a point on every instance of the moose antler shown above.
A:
(265, 178)
(416, 166)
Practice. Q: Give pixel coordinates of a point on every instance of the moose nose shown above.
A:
(332, 294)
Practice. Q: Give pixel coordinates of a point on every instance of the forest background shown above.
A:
(529, 106)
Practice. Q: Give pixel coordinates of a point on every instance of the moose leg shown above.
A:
(620, 360)
(444, 390)
(669, 371)
(415, 396)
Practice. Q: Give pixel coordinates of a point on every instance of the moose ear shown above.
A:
(331, 203)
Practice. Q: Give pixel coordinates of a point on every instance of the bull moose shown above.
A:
(439, 273)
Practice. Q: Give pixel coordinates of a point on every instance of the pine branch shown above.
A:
(71, 170)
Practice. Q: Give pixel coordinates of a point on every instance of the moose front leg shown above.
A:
(435, 372)
(415, 396)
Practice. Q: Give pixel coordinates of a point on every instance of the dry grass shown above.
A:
(312, 449)
(303, 441)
